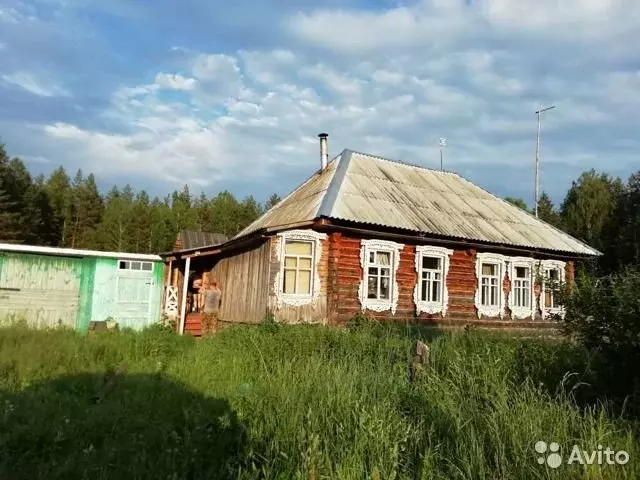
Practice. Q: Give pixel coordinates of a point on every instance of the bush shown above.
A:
(604, 315)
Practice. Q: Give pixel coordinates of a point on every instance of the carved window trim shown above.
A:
(522, 312)
(490, 310)
(544, 266)
(298, 300)
(425, 306)
(377, 305)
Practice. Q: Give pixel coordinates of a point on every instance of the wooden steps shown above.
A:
(193, 324)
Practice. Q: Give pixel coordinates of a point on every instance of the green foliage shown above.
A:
(296, 402)
(65, 213)
(547, 212)
(518, 202)
(589, 205)
(602, 314)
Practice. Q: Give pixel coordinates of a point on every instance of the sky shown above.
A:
(231, 95)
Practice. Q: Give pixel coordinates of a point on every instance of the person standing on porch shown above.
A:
(212, 299)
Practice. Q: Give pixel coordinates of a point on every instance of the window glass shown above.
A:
(146, 266)
(124, 265)
(522, 272)
(298, 267)
(384, 258)
(304, 282)
(289, 281)
(305, 263)
(298, 248)
(488, 269)
(431, 263)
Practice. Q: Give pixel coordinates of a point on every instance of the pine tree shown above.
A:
(58, 189)
(87, 211)
(9, 221)
(114, 231)
(141, 223)
(547, 212)
(273, 200)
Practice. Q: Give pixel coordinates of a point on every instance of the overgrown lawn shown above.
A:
(297, 402)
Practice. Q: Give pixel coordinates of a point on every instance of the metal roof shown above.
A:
(372, 190)
(191, 239)
(72, 252)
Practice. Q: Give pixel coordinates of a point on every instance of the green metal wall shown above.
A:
(42, 290)
(49, 291)
(107, 300)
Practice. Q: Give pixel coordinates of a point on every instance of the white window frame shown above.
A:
(519, 311)
(500, 262)
(128, 266)
(546, 265)
(296, 299)
(379, 305)
(443, 254)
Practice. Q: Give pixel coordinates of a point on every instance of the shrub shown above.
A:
(604, 315)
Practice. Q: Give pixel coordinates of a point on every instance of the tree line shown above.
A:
(602, 211)
(61, 211)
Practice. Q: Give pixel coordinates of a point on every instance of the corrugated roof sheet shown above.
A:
(191, 239)
(300, 205)
(372, 190)
(74, 252)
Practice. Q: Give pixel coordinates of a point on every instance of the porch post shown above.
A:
(169, 273)
(185, 287)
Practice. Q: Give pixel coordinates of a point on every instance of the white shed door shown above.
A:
(133, 298)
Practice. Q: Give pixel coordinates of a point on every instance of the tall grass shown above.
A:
(296, 402)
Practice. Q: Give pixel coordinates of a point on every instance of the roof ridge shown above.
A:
(402, 162)
(333, 189)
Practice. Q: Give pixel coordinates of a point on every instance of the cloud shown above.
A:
(390, 80)
(437, 24)
(35, 86)
(174, 81)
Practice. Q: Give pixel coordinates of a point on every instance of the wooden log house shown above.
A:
(399, 242)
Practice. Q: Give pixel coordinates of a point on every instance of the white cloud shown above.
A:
(34, 85)
(174, 81)
(216, 67)
(439, 24)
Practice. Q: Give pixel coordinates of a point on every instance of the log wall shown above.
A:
(345, 274)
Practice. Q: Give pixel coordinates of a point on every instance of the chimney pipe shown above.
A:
(324, 151)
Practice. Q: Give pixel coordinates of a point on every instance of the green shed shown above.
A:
(50, 287)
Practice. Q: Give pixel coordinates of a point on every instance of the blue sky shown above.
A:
(231, 95)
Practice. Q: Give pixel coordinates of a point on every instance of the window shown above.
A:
(297, 282)
(490, 298)
(552, 273)
(522, 287)
(490, 281)
(521, 299)
(432, 266)
(135, 265)
(378, 289)
(379, 275)
(298, 267)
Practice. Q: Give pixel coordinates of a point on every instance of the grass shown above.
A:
(296, 402)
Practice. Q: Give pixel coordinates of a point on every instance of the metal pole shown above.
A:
(443, 143)
(535, 200)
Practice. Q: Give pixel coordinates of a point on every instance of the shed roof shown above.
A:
(191, 239)
(376, 191)
(72, 252)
